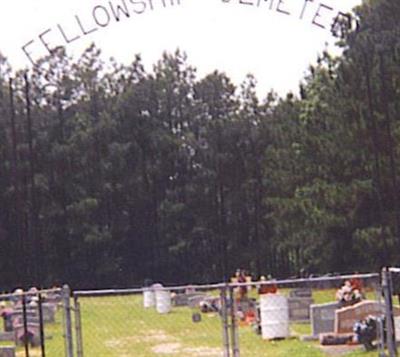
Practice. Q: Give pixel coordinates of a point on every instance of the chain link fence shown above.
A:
(33, 323)
(299, 317)
(183, 321)
(296, 317)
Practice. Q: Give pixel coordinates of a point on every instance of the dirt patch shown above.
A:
(157, 336)
(176, 348)
(203, 352)
(167, 348)
(32, 353)
(164, 344)
(121, 342)
(152, 336)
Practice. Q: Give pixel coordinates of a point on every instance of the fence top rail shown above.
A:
(105, 292)
(93, 293)
(305, 281)
(29, 293)
(310, 281)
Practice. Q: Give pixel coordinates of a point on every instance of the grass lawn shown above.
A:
(121, 327)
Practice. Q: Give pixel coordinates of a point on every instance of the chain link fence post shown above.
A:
(25, 324)
(225, 321)
(69, 349)
(387, 293)
(391, 275)
(78, 327)
(233, 324)
(41, 325)
(381, 341)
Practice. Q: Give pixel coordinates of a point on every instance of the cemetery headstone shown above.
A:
(183, 299)
(346, 317)
(33, 334)
(18, 318)
(331, 339)
(210, 304)
(246, 305)
(7, 319)
(194, 301)
(323, 317)
(31, 312)
(7, 351)
(6, 336)
(149, 298)
(301, 293)
(53, 298)
(49, 312)
(163, 301)
(396, 284)
(299, 308)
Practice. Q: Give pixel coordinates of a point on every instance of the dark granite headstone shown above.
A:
(332, 339)
(300, 293)
(299, 309)
(396, 283)
(323, 317)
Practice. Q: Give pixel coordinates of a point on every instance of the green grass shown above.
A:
(120, 326)
(54, 336)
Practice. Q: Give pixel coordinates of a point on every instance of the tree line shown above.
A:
(111, 174)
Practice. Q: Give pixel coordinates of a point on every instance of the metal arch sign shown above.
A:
(101, 16)
(319, 10)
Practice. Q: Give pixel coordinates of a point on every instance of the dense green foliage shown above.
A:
(125, 174)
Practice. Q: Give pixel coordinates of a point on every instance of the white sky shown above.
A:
(226, 35)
